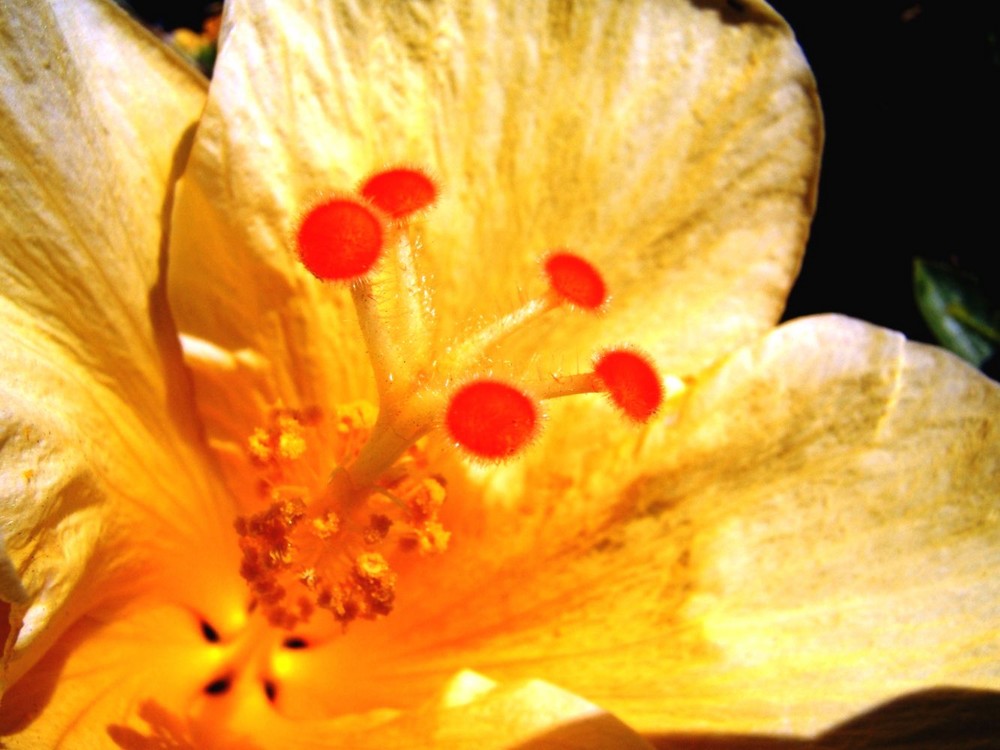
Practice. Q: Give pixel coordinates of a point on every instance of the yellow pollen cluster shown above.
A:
(299, 554)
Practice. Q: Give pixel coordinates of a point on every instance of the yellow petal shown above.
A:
(141, 674)
(91, 686)
(818, 532)
(477, 714)
(849, 482)
(471, 712)
(674, 147)
(93, 120)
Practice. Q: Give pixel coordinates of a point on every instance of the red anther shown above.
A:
(575, 280)
(631, 381)
(491, 419)
(340, 239)
(400, 191)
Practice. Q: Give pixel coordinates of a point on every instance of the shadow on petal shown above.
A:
(180, 396)
(166, 732)
(26, 699)
(591, 733)
(737, 11)
(945, 717)
(729, 742)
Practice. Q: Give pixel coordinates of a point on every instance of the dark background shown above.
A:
(909, 91)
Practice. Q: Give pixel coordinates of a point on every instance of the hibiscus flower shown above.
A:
(234, 517)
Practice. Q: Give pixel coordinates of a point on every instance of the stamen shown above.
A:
(340, 239)
(383, 352)
(310, 549)
(575, 280)
(469, 352)
(572, 280)
(631, 381)
(400, 192)
(331, 542)
(376, 584)
(491, 419)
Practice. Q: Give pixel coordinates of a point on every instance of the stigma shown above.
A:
(332, 543)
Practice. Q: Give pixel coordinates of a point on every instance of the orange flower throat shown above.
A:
(299, 556)
(330, 545)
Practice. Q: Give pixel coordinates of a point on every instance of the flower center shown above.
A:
(300, 555)
(328, 543)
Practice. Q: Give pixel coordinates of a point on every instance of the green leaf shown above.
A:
(956, 310)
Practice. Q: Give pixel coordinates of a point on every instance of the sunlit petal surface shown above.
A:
(672, 143)
(805, 528)
(103, 486)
